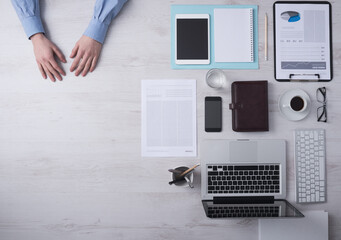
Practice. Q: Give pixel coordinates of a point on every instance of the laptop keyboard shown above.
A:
(260, 178)
(243, 211)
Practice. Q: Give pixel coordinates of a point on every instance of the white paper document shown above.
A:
(233, 35)
(314, 226)
(302, 38)
(169, 118)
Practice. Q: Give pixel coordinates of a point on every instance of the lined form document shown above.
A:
(169, 118)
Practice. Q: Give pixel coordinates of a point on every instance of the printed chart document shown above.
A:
(302, 38)
(233, 34)
(314, 226)
(169, 118)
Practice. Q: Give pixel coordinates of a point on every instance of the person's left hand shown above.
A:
(86, 53)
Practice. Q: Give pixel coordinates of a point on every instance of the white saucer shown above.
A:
(284, 102)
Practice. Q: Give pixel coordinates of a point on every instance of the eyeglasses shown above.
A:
(321, 97)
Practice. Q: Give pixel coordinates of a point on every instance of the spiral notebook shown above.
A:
(233, 35)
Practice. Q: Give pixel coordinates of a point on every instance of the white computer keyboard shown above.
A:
(310, 155)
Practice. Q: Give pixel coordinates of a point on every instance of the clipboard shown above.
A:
(303, 41)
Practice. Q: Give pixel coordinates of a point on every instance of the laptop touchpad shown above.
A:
(243, 151)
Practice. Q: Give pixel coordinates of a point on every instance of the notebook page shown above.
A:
(233, 34)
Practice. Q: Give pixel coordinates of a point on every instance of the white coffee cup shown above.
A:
(297, 104)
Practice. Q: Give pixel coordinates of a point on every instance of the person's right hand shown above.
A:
(44, 51)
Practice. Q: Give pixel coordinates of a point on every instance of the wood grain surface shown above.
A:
(70, 151)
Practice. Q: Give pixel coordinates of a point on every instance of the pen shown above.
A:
(266, 37)
(188, 170)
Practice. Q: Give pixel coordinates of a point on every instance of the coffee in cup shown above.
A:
(298, 104)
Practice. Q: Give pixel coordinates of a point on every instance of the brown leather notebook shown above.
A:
(249, 106)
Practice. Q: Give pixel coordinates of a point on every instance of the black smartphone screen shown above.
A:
(213, 114)
(192, 39)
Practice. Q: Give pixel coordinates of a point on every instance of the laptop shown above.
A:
(245, 178)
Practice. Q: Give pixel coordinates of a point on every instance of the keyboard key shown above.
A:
(246, 167)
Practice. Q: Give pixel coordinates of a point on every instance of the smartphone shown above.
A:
(213, 114)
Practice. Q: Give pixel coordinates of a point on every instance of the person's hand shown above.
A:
(86, 53)
(44, 51)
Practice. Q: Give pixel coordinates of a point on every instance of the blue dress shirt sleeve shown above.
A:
(104, 12)
(29, 15)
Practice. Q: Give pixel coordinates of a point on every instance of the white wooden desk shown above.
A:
(70, 161)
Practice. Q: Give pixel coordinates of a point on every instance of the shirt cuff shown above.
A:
(32, 25)
(96, 30)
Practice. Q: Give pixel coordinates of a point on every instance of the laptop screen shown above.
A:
(278, 209)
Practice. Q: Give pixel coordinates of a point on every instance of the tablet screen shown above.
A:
(192, 39)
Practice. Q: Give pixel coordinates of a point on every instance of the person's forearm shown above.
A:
(29, 14)
(105, 11)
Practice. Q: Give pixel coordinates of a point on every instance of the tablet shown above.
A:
(192, 39)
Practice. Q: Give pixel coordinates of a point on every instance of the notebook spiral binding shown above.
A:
(251, 31)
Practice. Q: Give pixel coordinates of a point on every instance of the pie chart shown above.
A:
(290, 16)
